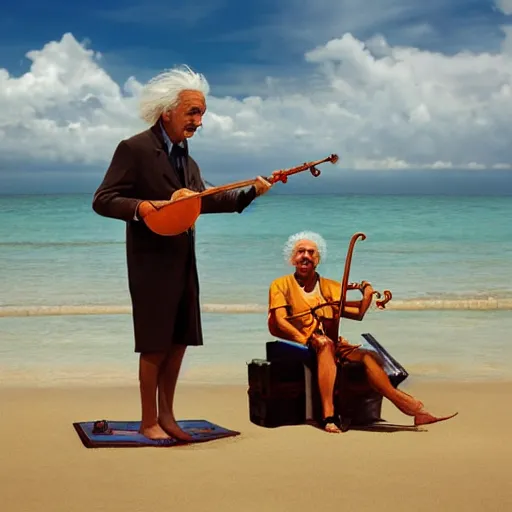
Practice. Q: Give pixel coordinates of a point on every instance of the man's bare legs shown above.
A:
(326, 361)
(166, 387)
(381, 383)
(326, 380)
(158, 372)
(377, 378)
(149, 370)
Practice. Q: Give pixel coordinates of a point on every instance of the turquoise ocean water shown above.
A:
(65, 310)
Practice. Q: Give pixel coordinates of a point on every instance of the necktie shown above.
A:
(178, 155)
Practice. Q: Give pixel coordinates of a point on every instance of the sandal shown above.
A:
(331, 420)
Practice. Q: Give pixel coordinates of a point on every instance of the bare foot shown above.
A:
(154, 432)
(173, 429)
(425, 418)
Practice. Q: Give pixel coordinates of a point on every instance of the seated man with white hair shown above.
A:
(297, 293)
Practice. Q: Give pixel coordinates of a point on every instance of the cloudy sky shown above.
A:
(400, 89)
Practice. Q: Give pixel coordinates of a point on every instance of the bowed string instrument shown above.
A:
(332, 325)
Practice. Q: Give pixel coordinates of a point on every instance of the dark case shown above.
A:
(276, 393)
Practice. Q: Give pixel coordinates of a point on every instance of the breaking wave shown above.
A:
(395, 305)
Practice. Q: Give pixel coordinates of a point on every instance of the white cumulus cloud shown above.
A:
(505, 6)
(376, 105)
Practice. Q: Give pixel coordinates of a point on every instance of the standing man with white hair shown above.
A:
(291, 298)
(146, 170)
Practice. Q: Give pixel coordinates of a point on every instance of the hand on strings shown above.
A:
(366, 287)
(320, 340)
(262, 186)
(179, 194)
(345, 343)
(146, 207)
(363, 286)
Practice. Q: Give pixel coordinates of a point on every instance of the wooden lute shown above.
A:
(181, 212)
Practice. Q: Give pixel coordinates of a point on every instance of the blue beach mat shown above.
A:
(125, 434)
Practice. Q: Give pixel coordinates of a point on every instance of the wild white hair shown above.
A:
(318, 240)
(162, 92)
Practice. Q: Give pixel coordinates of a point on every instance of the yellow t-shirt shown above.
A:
(286, 292)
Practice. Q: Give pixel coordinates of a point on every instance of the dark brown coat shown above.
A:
(162, 272)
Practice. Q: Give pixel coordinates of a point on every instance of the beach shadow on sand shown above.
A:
(379, 426)
(388, 428)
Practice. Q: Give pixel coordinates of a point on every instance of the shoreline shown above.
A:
(411, 304)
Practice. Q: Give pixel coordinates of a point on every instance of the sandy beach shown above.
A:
(461, 464)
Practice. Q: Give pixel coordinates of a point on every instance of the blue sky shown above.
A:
(238, 46)
(232, 41)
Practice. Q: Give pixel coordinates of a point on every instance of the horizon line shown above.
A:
(305, 193)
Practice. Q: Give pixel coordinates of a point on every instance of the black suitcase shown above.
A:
(355, 401)
(277, 393)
